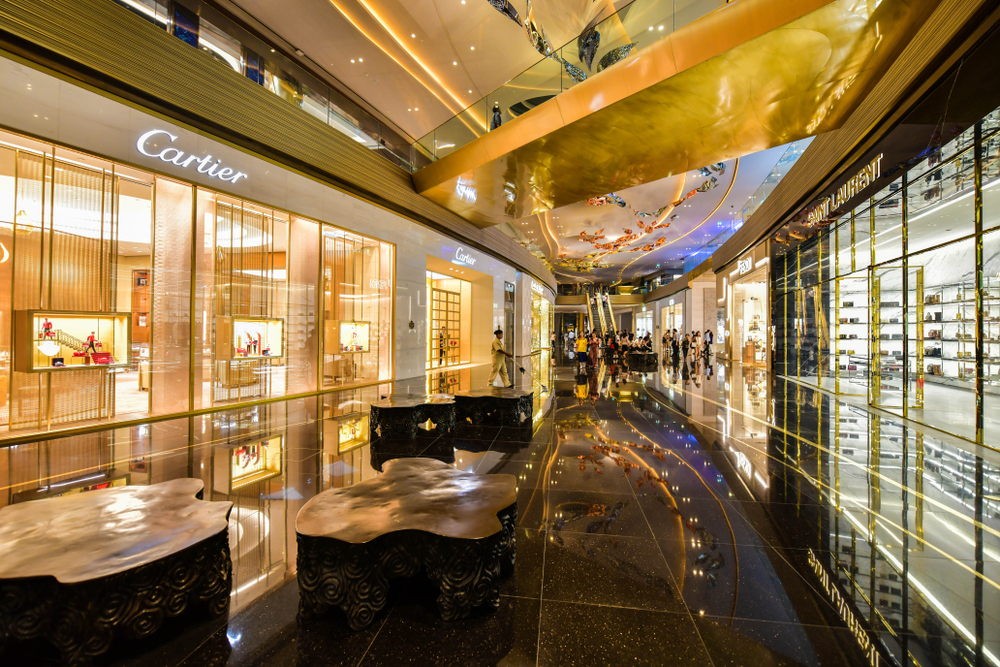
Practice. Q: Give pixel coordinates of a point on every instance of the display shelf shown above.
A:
(56, 341)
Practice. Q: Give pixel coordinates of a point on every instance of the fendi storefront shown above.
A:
(126, 293)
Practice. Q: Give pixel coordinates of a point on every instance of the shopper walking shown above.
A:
(581, 350)
(499, 356)
(709, 339)
(594, 349)
(496, 121)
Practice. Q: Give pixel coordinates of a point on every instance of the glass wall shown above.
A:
(897, 302)
(125, 294)
(542, 316)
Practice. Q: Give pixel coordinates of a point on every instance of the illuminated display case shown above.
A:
(66, 340)
(352, 431)
(354, 337)
(250, 338)
(242, 465)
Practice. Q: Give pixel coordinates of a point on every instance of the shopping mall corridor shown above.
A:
(661, 521)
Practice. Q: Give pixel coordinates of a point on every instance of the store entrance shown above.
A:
(460, 320)
(446, 323)
(750, 318)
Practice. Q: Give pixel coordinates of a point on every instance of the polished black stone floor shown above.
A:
(649, 533)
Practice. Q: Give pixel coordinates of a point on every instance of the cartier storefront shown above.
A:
(125, 293)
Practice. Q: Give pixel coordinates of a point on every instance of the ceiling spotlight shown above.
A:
(454, 62)
(352, 60)
(409, 109)
(361, 60)
(416, 109)
(470, 91)
(473, 48)
(650, 27)
(660, 28)
(413, 35)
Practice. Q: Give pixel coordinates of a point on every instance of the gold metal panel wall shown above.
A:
(822, 162)
(730, 84)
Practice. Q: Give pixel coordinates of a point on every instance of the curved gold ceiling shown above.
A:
(756, 74)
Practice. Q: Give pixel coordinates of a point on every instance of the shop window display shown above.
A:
(63, 341)
(237, 466)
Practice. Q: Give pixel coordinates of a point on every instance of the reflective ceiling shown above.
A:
(420, 62)
(678, 232)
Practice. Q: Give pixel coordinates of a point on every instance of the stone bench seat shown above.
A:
(420, 515)
(79, 570)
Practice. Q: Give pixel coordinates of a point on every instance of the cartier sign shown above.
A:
(464, 257)
(843, 608)
(207, 165)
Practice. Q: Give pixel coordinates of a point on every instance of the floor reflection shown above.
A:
(698, 514)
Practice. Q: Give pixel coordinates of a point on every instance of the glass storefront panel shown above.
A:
(750, 315)
(903, 328)
(940, 203)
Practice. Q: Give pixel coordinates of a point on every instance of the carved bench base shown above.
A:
(82, 619)
(494, 407)
(640, 361)
(355, 577)
(401, 417)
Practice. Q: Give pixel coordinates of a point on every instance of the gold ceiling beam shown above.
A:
(750, 76)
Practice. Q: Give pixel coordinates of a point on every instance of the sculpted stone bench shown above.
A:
(641, 360)
(400, 416)
(494, 406)
(419, 515)
(79, 570)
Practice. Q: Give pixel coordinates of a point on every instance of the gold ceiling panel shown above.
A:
(754, 75)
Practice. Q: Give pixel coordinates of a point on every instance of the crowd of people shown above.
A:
(588, 347)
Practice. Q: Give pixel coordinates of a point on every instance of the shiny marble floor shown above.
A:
(658, 525)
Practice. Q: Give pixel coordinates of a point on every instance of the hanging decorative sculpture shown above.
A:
(574, 72)
(607, 200)
(507, 9)
(587, 44)
(614, 55)
(536, 34)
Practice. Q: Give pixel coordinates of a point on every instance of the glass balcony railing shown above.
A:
(631, 28)
(220, 38)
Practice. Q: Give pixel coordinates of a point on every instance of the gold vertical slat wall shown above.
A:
(57, 266)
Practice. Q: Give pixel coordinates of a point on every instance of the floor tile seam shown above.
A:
(375, 636)
(619, 606)
(663, 556)
(764, 543)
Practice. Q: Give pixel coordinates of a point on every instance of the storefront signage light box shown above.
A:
(47, 340)
(536, 287)
(745, 265)
(178, 157)
(871, 173)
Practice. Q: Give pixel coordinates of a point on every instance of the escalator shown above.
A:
(607, 314)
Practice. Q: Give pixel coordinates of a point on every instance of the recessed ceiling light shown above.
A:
(660, 28)
(416, 109)
(352, 60)
(470, 91)
(454, 62)
(409, 109)
(361, 60)
(473, 48)
(650, 27)
(413, 35)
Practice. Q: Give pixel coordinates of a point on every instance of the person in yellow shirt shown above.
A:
(581, 350)
(498, 355)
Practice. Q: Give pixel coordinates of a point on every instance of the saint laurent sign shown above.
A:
(845, 192)
(181, 159)
(844, 609)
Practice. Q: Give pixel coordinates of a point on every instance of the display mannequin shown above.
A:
(47, 329)
(91, 343)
